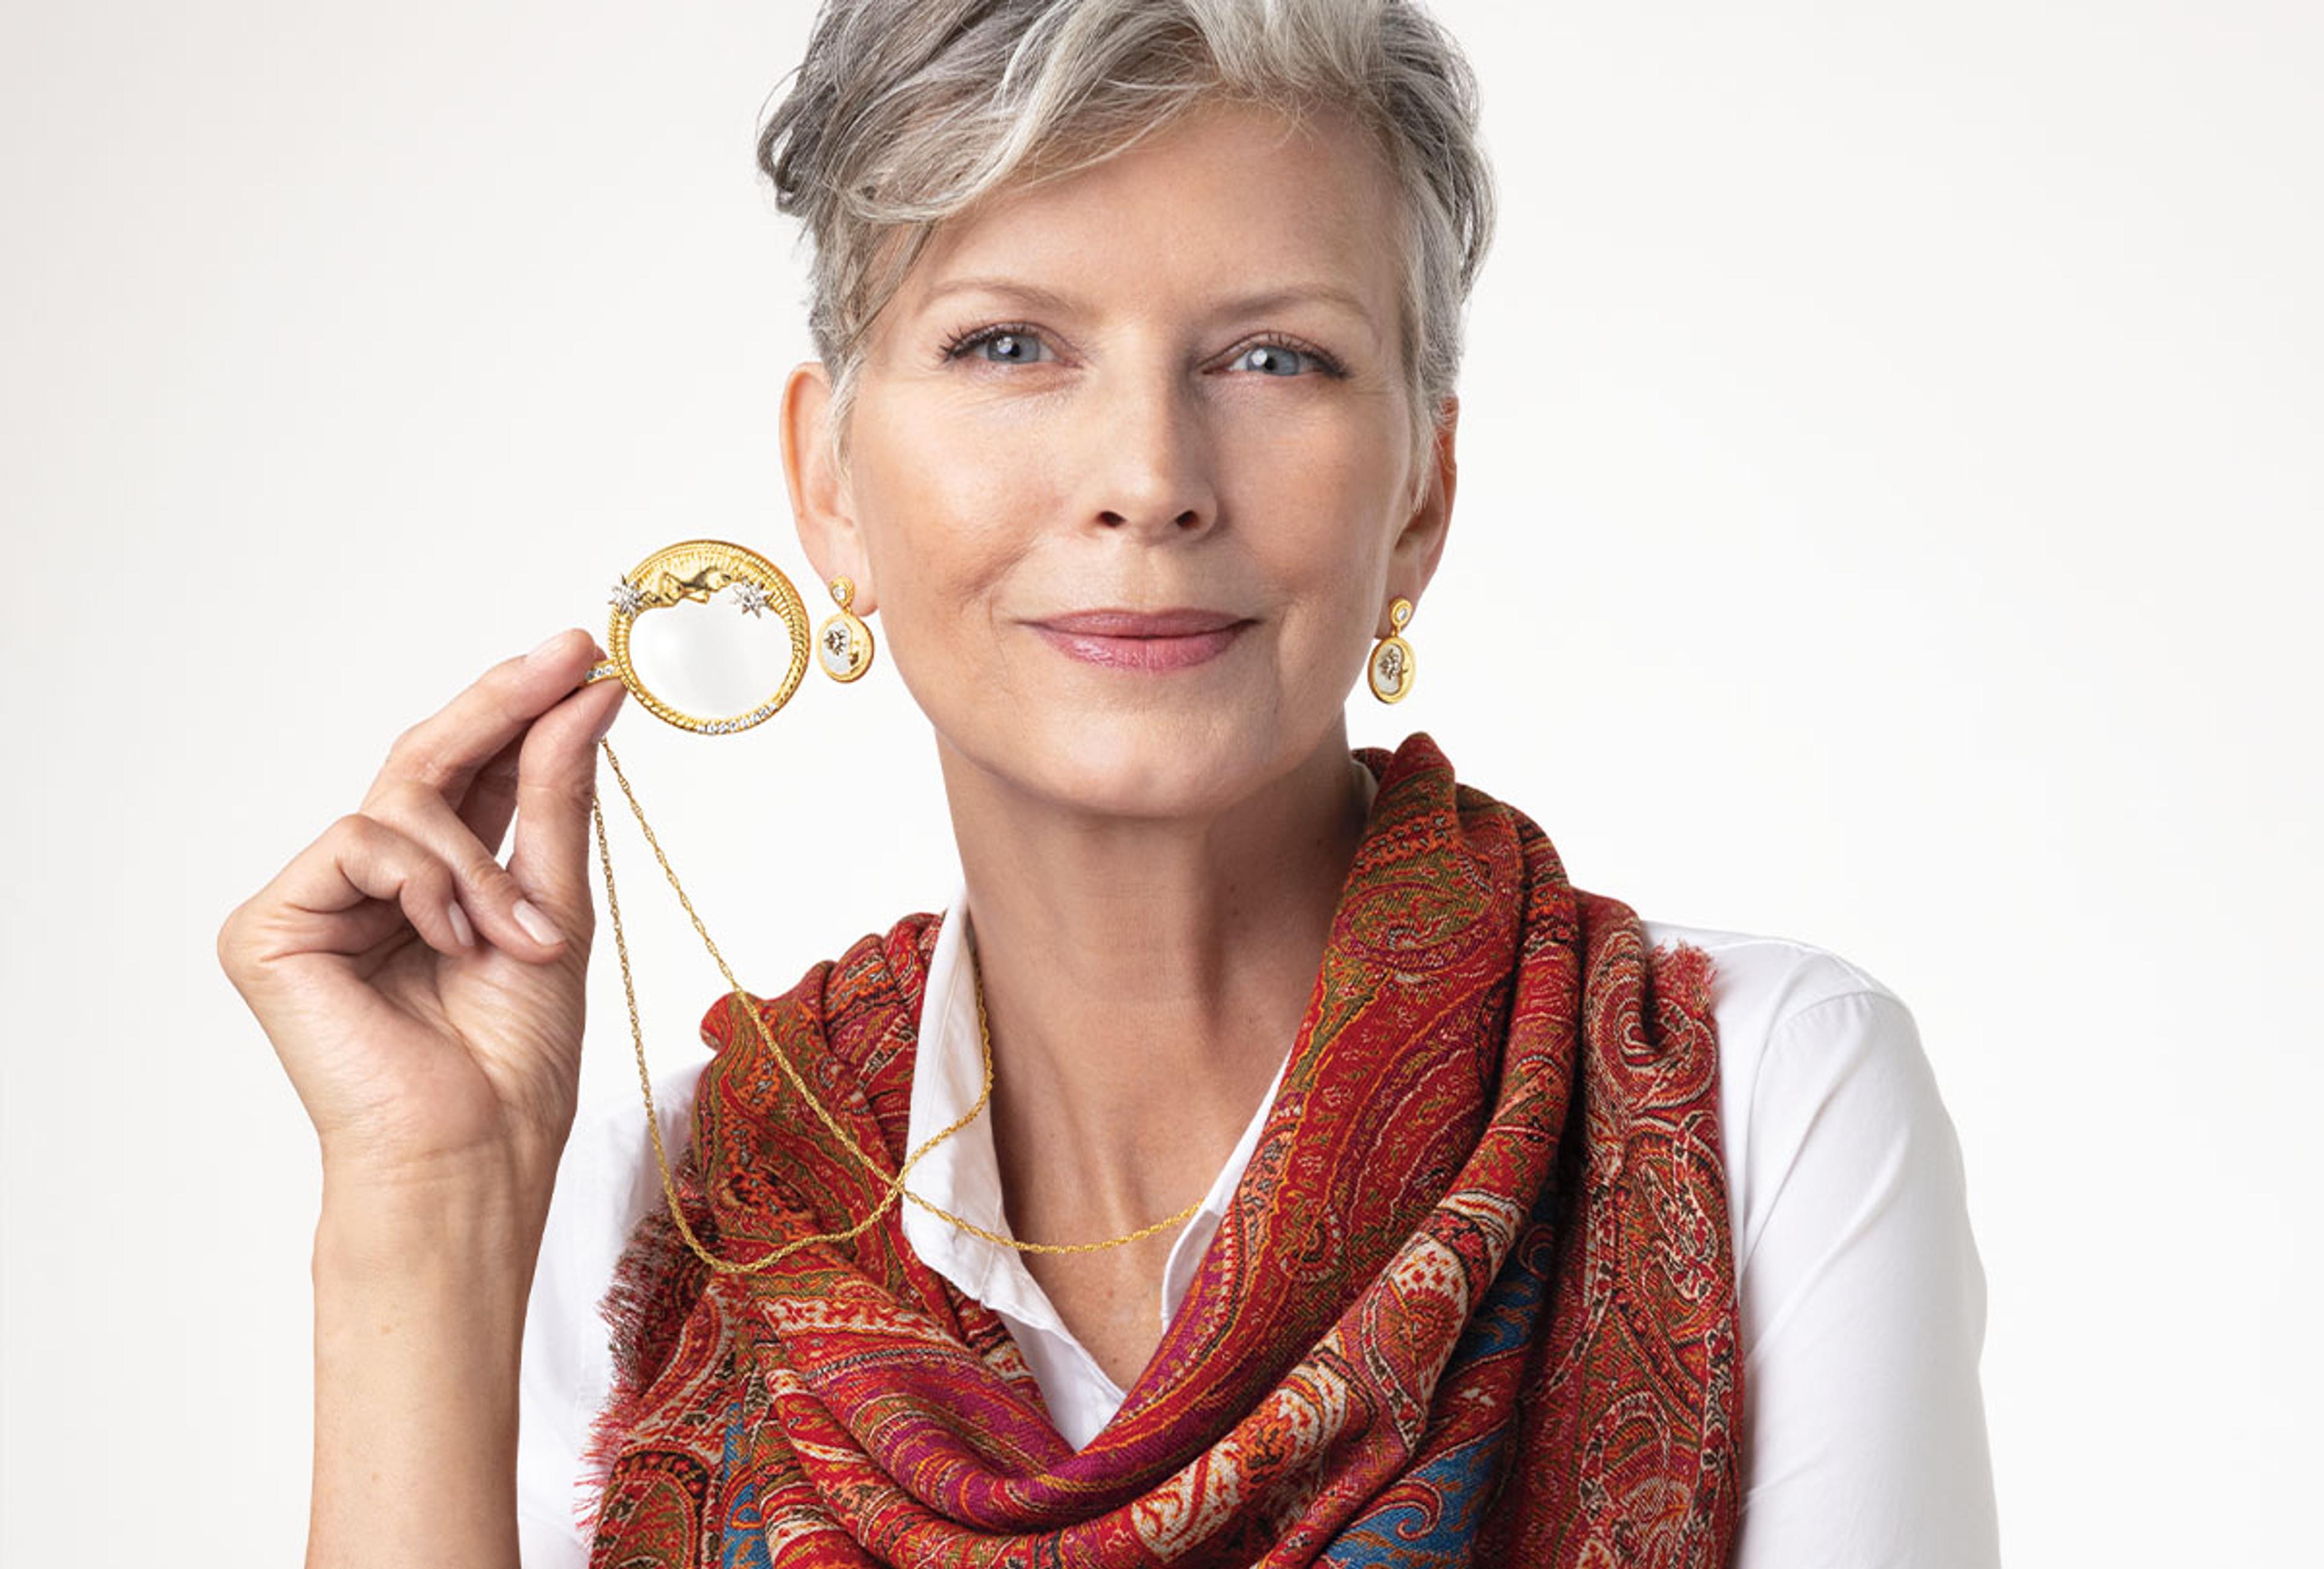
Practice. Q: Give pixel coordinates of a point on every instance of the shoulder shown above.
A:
(1844, 1168)
(1775, 976)
(1860, 1292)
(1823, 1080)
(1770, 992)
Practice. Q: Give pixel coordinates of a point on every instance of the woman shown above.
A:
(1443, 1212)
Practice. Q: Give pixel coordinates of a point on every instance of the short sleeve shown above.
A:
(1863, 1305)
(607, 1182)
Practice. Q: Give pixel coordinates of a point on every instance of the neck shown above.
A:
(1144, 979)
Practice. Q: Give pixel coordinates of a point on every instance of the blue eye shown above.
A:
(1277, 354)
(1017, 345)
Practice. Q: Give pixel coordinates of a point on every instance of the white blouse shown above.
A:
(1862, 1298)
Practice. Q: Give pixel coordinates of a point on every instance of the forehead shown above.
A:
(1228, 201)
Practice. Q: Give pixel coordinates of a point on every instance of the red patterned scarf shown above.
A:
(1473, 1303)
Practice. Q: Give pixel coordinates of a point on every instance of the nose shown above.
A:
(1149, 457)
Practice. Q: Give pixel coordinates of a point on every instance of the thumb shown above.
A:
(556, 772)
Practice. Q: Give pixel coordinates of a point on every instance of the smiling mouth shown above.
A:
(1129, 640)
(1177, 622)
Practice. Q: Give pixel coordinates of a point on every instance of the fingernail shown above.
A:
(541, 654)
(460, 927)
(528, 917)
(604, 726)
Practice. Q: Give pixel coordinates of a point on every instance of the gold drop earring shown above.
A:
(1393, 666)
(843, 642)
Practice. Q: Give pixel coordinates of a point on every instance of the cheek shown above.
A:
(1327, 577)
(936, 601)
(1309, 491)
(945, 531)
(938, 516)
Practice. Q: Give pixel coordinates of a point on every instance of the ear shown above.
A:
(821, 500)
(1412, 560)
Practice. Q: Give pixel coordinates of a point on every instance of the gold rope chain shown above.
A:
(895, 1184)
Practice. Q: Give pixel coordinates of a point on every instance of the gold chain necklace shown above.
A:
(895, 1184)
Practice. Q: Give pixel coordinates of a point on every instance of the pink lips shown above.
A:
(1143, 640)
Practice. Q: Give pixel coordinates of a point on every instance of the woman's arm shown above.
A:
(420, 1301)
(428, 1003)
(1863, 1306)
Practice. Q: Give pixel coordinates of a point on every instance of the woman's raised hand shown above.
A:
(426, 1001)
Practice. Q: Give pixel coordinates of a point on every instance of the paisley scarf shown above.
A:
(1473, 1303)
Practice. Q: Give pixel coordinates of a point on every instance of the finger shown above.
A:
(501, 908)
(491, 799)
(306, 907)
(446, 750)
(557, 775)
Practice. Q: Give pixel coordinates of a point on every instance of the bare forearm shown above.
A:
(420, 1302)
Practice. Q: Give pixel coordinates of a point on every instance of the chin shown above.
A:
(1145, 764)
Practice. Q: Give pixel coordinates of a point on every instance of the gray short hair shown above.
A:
(904, 112)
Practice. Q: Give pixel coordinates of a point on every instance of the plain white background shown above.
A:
(1890, 487)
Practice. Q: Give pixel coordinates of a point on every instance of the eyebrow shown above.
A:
(1258, 299)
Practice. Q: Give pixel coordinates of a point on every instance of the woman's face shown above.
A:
(1167, 383)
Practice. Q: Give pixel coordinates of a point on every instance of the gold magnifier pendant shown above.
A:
(703, 569)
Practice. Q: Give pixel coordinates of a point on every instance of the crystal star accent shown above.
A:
(627, 597)
(838, 646)
(750, 596)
